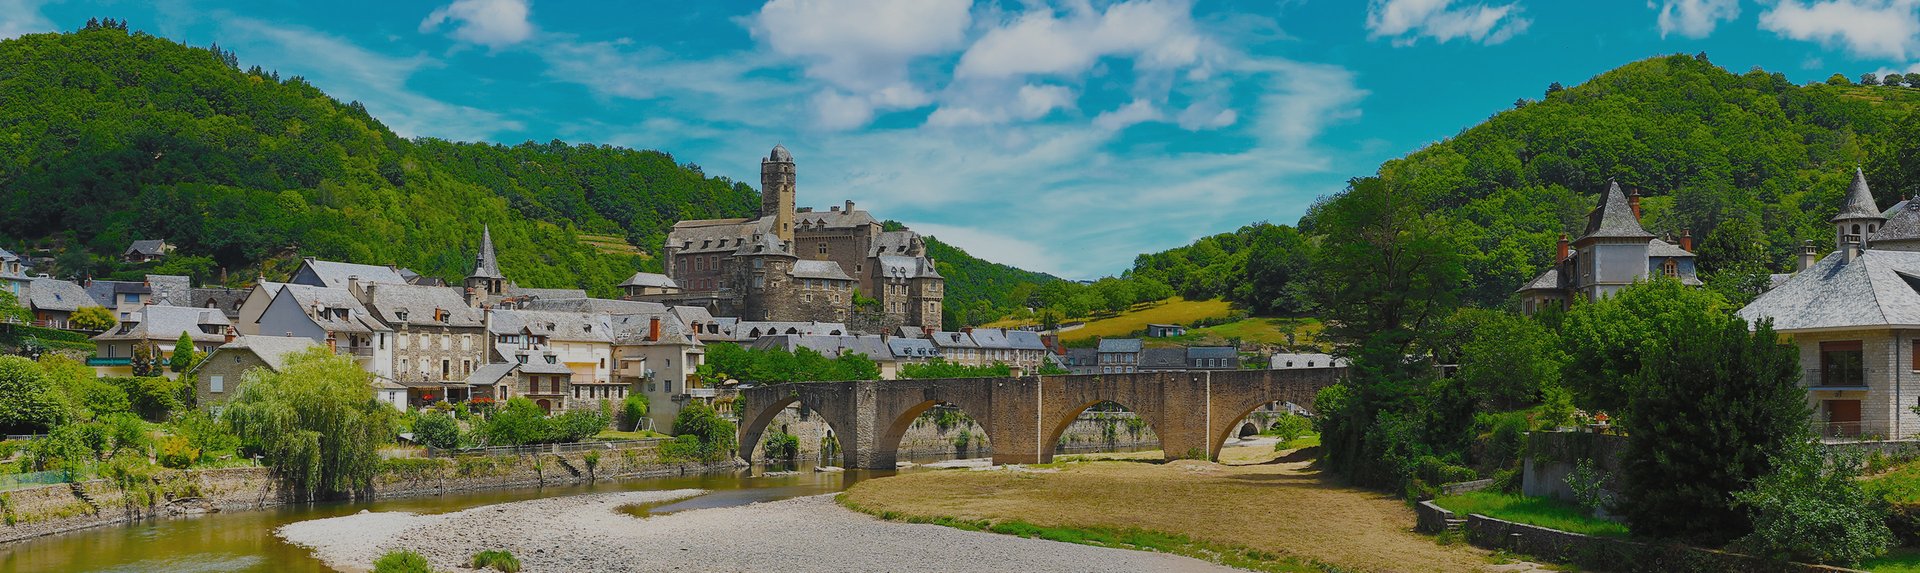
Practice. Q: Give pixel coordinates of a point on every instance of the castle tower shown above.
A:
(486, 281)
(1859, 216)
(776, 191)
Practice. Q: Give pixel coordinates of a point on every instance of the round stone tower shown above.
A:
(776, 191)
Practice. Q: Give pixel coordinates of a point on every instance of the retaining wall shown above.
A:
(1553, 455)
(1619, 554)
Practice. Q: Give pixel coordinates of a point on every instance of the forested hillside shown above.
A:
(107, 136)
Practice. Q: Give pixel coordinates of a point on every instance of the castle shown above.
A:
(798, 264)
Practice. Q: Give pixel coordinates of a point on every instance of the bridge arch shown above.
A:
(765, 403)
(896, 432)
(1052, 438)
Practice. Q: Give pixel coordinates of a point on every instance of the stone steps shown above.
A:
(81, 492)
(568, 465)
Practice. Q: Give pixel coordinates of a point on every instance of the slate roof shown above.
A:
(827, 270)
(165, 323)
(1877, 289)
(1548, 280)
(892, 266)
(593, 305)
(320, 305)
(1659, 248)
(228, 300)
(779, 154)
(944, 339)
(692, 314)
(989, 338)
(485, 264)
(715, 235)
(273, 350)
(1903, 224)
(420, 303)
(1081, 356)
(491, 373)
(833, 219)
(546, 293)
(1163, 359)
(334, 274)
(6, 255)
(171, 290)
(634, 329)
(764, 244)
(743, 330)
(148, 247)
(1859, 203)
(899, 243)
(557, 326)
(650, 280)
(1613, 218)
(1305, 360)
(1119, 345)
(912, 348)
(831, 346)
(1213, 352)
(1025, 340)
(57, 295)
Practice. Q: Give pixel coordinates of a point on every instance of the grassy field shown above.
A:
(1259, 503)
(1899, 561)
(1532, 511)
(640, 435)
(1255, 329)
(612, 245)
(1175, 310)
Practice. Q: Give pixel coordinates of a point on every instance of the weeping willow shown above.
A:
(316, 423)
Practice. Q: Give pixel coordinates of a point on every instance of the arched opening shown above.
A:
(1272, 423)
(1104, 426)
(937, 430)
(791, 434)
(1249, 428)
(546, 407)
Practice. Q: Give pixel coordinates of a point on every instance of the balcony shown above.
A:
(96, 361)
(354, 351)
(700, 392)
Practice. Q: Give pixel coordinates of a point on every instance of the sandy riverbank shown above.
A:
(586, 533)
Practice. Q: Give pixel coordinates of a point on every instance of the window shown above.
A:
(131, 299)
(1841, 364)
(1670, 268)
(217, 384)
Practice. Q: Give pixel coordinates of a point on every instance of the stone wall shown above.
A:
(1553, 455)
(925, 439)
(434, 476)
(1618, 554)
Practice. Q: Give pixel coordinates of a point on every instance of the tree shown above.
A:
(184, 355)
(1603, 338)
(1814, 510)
(1505, 360)
(1893, 80)
(518, 422)
(146, 360)
(436, 430)
(315, 420)
(27, 402)
(12, 312)
(1554, 88)
(92, 319)
(1868, 79)
(633, 410)
(1913, 80)
(1712, 402)
(581, 423)
(700, 434)
(1838, 80)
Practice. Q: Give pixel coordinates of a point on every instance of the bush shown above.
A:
(1289, 427)
(27, 401)
(633, 410)
(402, 561)
(1811, 510)
(436, 430)
(204, 433)
(127, 432)
(154, 397)
(178, 453)
(1904, 520)
(500, 560)
(576, 425)
(714, 434)
(785, 446)
(519, 422)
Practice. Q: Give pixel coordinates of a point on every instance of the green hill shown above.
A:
(108, 136)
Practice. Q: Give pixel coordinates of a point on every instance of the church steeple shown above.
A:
(1859, 217)
(486, 279)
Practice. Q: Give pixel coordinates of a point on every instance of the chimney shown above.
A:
(849, 205)
(223, 275)
(1686, 240)
(1562, 256)
(230, 335)
(1633, 201)
(1852, 249)
(966, 330)
(353, 285)
(653, 329)
(1806, 257)
(333, 344)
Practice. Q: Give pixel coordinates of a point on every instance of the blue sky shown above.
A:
(1064, 137)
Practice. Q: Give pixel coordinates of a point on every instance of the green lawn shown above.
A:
(1532, 511)
(1899, 561)
(1175, 310)
(640, 435)
(1256, 329)
(1900, 485)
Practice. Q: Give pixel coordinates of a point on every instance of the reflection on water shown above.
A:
(243, 541)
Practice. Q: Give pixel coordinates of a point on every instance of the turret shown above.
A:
(486, 280)
(777, 191)
(1858, 217)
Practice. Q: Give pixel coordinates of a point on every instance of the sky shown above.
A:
(1064, 137)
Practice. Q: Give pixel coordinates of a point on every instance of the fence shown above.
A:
(543, 448)
(32, 479)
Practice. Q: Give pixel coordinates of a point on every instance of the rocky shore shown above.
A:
(587, 533)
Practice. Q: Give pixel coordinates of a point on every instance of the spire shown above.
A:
(485, 265)
(1614, 218)
(1859, 203)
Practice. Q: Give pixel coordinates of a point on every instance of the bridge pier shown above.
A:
(1192, 412)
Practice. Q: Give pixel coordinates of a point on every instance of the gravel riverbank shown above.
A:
(586, 533)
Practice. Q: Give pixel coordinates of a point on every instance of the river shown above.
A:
(243, 541)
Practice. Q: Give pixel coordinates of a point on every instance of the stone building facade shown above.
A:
(799, 264)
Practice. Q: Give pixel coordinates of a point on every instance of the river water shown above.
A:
(243, 541)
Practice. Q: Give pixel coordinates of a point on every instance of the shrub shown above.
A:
(1812, 510)
(1507, 438)
(203, 432)
(402, 561)
(1904, 520)
(436, 430)
(519, 422)
(633, 410)
(576, 425)
(127, 432)
(154, 397)
(1289, 427)
(1588, 485)
(27, 401)
(178, 453)
(785, 446)
(714, 434)
(499, 560)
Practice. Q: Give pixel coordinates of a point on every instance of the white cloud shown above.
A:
(1406, 21)
(349, 72)
(19, 17)
(1694, 18)
(1136, 111)
(1205, 115)
(861, 48)
(1869, 28)
(1028, 102)
(1156, 33)
(492, 23)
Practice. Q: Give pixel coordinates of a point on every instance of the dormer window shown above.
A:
(400, 313)
(551, 360)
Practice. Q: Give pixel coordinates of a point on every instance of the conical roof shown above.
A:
(486, 266)
(1859, 203)
(1614, 218)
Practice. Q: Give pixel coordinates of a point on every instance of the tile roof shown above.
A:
(1163, 359)
(1614, 218)
(1859, 200)
(827, 270)
(149, 247)
(1903, 224)
(57, 295)
(1213, 352)
(1120, 345)
(420, 305)
(1876, 289)
(332, 309)
(644, 279)
(558, 326)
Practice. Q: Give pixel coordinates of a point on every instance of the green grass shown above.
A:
(1532, 511)
(1901, 485)
(1899, 561)
(1175, 310)
(640, 435)
(1307, 441)
(1255, 329)
(1129, 538)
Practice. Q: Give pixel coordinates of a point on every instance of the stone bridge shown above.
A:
(1192, 412)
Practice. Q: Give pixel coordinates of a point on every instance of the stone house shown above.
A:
(1855, 316)
(1082, 360)
(122, 298)
(1119, 355)
(909, 351)
(227, 300)
(146, 251)
(333, 274)
(161, 326)
(648, 284)
(659, 357)
(958, 347)
(53, 301)
(556, 350)
(13, 275)
(1613, 252)
(1213, 358)
(438, 340)
(217, 377)
(333, 317)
